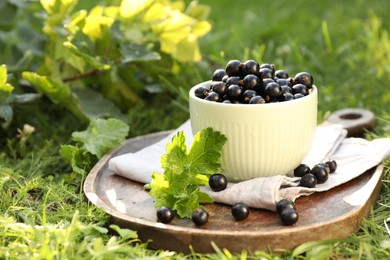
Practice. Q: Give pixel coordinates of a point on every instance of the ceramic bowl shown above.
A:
(262, 140)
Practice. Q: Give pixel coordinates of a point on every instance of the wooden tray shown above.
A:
(321, 216)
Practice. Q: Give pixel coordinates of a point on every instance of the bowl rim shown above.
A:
(192, 96)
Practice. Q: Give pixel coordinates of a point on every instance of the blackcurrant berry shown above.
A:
(308, 181)
(289, 216)
(301, 170)
(250, 81)
(248, 95)
(273, 90)
(287, 97)
(267, 80)
(233, 80)
(250, 67)
(234, 91)
(257, 100)
(284, 204)
(233, 68)
(304, 78)
(268, 66)
(323, 165)
(218, 182)
(300, 88)
(240, 211)
(332, 165)
(320, 173)
(200, 216)
(227, 101)
(165, 215)
(298, 95)
(201, 92)
(286, 89)
(218, 74)
(281, 74)
(219, 87)
(224, 78)
(212, 96)
(265, 73)
(282, 82)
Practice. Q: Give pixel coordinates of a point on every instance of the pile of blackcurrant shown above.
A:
(285, 208)
(287, 212)
(316, 175)
(252, 83)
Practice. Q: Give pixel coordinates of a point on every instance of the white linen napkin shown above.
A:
(354, 156)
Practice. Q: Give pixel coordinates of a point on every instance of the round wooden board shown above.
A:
(321, 216)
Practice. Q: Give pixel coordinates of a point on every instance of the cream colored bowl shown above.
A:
(262, 140)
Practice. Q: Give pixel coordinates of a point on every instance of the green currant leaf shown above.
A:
(205, 153)
(184, 172)
(135, 52)
(102, 135)
(57, 91)
(92, 61)
(95, 106)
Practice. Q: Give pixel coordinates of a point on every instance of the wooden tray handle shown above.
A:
(356, 121)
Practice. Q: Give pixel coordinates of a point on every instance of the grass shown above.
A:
(345, 45)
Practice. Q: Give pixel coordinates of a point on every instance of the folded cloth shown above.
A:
(354, 156)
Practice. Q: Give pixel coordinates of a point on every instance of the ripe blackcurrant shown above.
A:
(301, 170)
(234, 91)
(201, 92)
(248, 95)
(257, 100)
(165, 215)
(273, 90)
(218, 87)
(200, 216)
(300, 88)
(308, 181)
(332, 165)
(320, 173)
(289, 216)
(233, 68)
(250, 81)
(218, 182)
(212, 96)
(240, 211)
(218, 74)
(250, 67)
(284, 204)
(265, 73)
(304, 78)
(281, 74)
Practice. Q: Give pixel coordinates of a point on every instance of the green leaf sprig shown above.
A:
(184, 171)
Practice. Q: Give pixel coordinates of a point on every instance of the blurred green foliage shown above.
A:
(97, 59)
